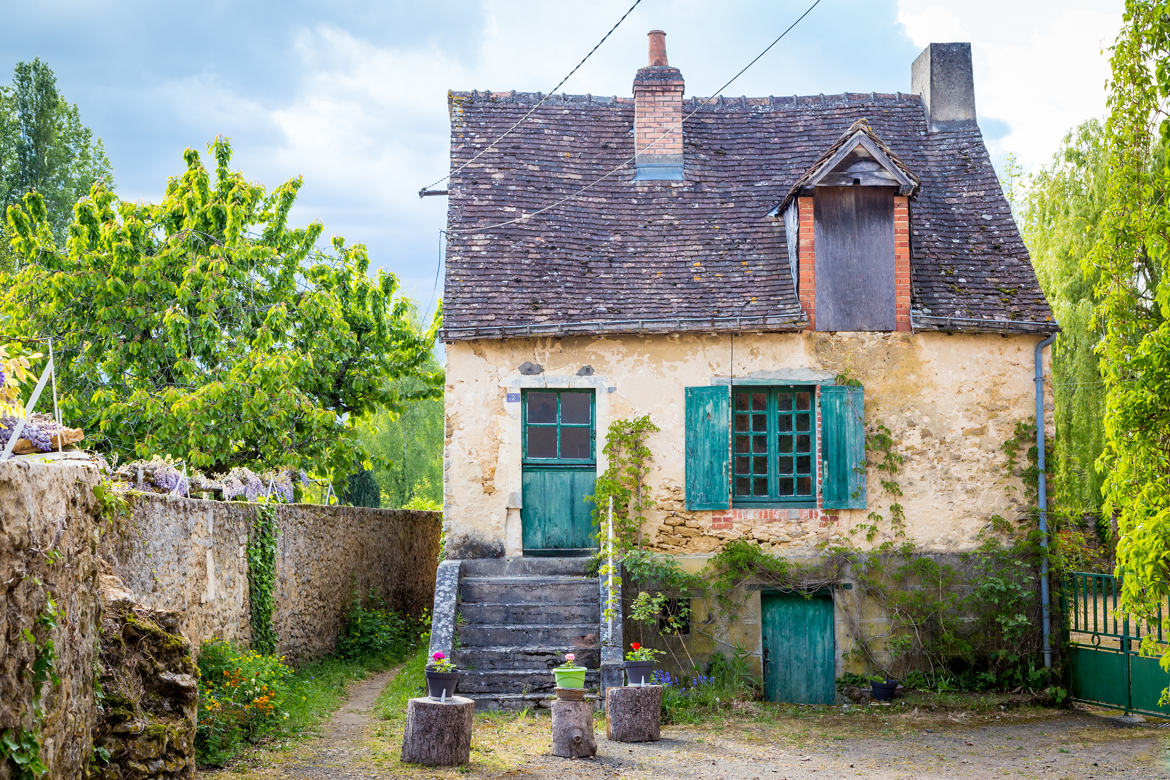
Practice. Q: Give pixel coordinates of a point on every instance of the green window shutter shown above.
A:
(842, 447)
(708, 446)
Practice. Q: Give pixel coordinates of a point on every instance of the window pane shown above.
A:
(803, 443)
(759, 444)
(742, 464)
(575, 443)
(786, 486)
(803, 464)
(785, 402)
(784, 443)
(741, 402)
(804, 486)
(784, 422)
(759, 465)
(759, 422)
(802, 401)
(575, 407)
(759, 402)
(785, 466)
(760, 486)
(743, 486)
(542, 442)
(542, 408)
(743, 444)
(741, 422)
(802, 422)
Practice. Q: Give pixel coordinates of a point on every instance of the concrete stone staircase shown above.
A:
(516, 619)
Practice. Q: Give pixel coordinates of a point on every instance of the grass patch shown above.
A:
(410, 682)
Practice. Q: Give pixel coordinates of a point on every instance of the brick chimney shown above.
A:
(658, 135)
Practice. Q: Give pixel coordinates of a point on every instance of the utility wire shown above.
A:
(548, 95)
(634, 156)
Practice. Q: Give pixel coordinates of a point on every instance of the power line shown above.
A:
(438, 271)
(634, 156)
(550, 93)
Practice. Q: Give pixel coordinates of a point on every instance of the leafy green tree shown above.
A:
(1129, 262)
(1061, 222)
(406, 444)
(361, 489)
(44, 147)
(204, 328)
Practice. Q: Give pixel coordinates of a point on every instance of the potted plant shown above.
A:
(569, 675)
(639, 664)
(442, 676)
(882, 687)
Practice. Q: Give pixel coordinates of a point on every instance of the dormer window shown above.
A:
(854, 273)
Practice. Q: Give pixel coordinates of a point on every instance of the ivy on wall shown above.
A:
(20, 748)
(262, 578)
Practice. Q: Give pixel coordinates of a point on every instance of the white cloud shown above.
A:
(1040, 67)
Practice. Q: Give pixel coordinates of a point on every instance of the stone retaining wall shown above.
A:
(189, 555)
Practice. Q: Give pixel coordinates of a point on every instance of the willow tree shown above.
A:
(204, 328)
(1129, 263)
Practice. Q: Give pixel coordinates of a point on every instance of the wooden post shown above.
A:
(634, 713)
(572, 729)
(438, 733)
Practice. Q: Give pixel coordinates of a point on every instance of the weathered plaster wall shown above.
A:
(189, 555)
(950, 401)
(48, 550)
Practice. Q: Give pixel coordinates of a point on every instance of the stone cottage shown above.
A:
(762, 277)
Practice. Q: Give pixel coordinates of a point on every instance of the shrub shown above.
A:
(375, 633)
(241, 698)
(687, 698)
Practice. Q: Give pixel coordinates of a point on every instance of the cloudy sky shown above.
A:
(352, 95)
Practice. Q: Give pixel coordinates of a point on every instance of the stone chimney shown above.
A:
(658, 135)
(942, 75)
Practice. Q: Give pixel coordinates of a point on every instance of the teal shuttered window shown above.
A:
(757, 446)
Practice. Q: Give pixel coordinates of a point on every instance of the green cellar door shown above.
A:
(799, 649)
(559, 471)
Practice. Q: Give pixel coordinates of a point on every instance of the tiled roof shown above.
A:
(703, 254)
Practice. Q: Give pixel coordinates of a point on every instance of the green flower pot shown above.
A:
(570, 676)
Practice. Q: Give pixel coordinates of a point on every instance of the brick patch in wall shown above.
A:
(725, 519)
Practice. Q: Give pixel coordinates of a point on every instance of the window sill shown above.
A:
(749, 504)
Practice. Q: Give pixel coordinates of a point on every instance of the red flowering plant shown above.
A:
(639, 653)
(440, 663)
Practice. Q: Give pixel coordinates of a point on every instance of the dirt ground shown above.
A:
(760, 742)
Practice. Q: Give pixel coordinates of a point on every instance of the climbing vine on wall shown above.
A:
(262, 578)
(20, 747)
(624, 481)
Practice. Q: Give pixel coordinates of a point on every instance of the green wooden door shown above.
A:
(559, 471)
(799, 649)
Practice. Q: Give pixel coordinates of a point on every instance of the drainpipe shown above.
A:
(1042, 487)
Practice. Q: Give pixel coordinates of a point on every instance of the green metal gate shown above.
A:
(1104, 665)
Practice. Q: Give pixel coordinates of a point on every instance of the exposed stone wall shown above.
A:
(48, 550)
(950, 402)
(189, 555)
(150, 692)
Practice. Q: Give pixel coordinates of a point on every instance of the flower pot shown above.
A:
(570, 676)
(639, 672)
(882, 691)
(440, 682)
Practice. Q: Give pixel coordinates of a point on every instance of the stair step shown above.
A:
(524, 567)
(527, 614)
(514, 702)
(522, 657)
(514, 681)
(569, 636)
(529, 590)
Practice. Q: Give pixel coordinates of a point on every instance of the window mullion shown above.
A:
(773, 432)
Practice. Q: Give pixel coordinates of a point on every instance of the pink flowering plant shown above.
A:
(570, 662)
(440, 663)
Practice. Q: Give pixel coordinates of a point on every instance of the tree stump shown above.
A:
(438, 733)
(634, 713)
(572, 729)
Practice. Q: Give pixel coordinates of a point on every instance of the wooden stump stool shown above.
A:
(572, 729)
(438, 733)
(634, 713)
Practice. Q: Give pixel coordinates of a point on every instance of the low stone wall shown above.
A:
(48, 552)
(189, 555)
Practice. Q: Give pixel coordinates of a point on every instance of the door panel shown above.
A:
(556, 517)
(799, 646)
